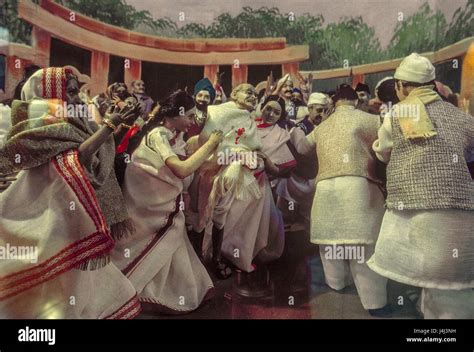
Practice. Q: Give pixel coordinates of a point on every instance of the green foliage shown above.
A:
(18, 31)
(462, 24)
(258, 23)
(421, 32)
(118, 13)
(351, 39)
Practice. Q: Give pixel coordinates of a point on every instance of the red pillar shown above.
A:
(210, 72)
(99, 72)
(357, 78)
(239, 74)
(292, 68)
(41, 43)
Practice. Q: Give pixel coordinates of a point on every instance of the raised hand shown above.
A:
(218, 78)
(270, 84)
(305, 83)
(130, 112)
(280, 84)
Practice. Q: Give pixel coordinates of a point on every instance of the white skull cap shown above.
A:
(415, 68)
(318, 98)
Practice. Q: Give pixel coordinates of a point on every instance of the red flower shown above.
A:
(239, 132)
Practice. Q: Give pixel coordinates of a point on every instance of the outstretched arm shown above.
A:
(303, 144)
(93, 143)
(183, 169)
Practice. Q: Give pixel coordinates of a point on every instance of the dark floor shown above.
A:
(296, 290)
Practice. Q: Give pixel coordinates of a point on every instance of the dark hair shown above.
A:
(362, 87)
(172, 105)
(413, 84)
(169, 107)
(345, 91)
(329, 93)
(280, 101)
(386, 91)
(298, 103)
(416, 85)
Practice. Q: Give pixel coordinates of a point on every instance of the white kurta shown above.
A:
(346, 210)
(159, 259)
(254, 229)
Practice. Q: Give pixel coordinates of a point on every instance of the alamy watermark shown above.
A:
(9, 252)
(37, 335)
(345, 252)
(227, 157)
(412, 111)
(75, 111)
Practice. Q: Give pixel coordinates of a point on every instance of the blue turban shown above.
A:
(205, 84)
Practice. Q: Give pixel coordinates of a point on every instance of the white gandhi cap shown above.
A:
(318, 98)
(415, 68)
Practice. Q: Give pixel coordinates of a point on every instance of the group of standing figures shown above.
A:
(134, 204)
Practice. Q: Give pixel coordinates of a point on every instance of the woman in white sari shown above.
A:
(275, 139)
(159, 260)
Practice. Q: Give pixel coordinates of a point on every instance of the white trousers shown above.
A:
(371, 287)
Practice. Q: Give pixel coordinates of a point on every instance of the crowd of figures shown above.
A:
(135, 204)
